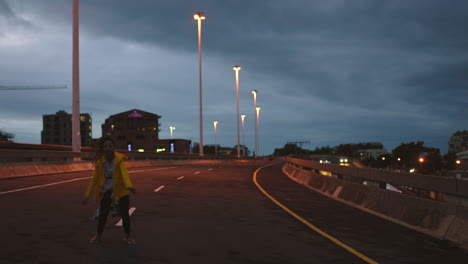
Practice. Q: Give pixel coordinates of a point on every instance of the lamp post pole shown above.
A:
(243, 134)
(254, 92)
(215, 124)
(76, 137)
(258, 130)
(199, 16)
(237, 69)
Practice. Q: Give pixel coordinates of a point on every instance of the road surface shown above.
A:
(205, 213)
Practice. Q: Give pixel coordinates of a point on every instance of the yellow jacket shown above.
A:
(120, 178)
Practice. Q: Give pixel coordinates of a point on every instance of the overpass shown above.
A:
(444, 214)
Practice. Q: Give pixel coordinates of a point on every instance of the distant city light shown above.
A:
(141, 150)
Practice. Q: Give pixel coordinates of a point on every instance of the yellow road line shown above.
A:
(311, 226)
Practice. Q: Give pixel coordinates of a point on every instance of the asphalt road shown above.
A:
(207, 213)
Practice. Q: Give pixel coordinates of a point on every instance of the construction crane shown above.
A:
(27, 87)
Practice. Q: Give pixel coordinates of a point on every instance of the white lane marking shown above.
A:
(41, 186)
(166, 168)
(197, 172)
(180, 178)
(130, 212)
(210, 169)
(159, 188)
(72, 180)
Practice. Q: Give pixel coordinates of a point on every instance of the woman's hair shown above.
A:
(100, 147)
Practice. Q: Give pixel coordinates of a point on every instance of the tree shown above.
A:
(450, 161)
(345, 150)
(322, 150)
(288, 149)
(6, 136)
(409, 154)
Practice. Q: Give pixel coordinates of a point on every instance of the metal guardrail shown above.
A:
(444, 185)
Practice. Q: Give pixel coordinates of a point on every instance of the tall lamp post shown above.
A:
(215, 124)
(172, 129)
(237, 69)
(258, 130)
(254, 92)
(76, 137)
(243, 134)
(199, 16)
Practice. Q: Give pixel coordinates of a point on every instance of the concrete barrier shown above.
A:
(27, 169)
(439, 219)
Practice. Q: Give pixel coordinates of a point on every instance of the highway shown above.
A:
(218, 212)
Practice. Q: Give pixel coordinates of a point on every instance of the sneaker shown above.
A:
(129, 241)
(96, 239)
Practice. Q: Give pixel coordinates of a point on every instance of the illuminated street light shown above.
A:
(421, 159)
(172, 129)
(215, 124)
(243, 134)
(237, 69)
(258, 129)
(199, 16)
(254, 92)
(458, 162)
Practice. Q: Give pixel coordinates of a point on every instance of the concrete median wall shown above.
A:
(436, 218)
(24, 170)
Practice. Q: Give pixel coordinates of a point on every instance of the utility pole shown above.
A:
(76, 137)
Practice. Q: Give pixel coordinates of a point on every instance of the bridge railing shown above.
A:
(439, 186)
(19, 156)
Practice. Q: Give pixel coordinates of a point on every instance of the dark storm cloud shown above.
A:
(360, 69)
(12, 19)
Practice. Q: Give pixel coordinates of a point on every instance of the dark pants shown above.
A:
(104, 206)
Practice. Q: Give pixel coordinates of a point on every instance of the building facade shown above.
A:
(57, 129)
(133, 130)
(371, 153)
(458, 142)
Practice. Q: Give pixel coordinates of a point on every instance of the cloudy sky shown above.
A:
(329, 72)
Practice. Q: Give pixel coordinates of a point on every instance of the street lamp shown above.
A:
(172, 129)
(243, 134)
(199, 16)
(254, 92)
(215, 123)
(237, 69)
(258, 129)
